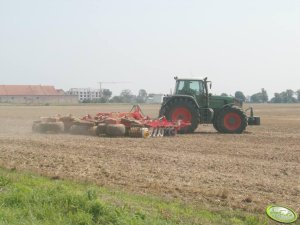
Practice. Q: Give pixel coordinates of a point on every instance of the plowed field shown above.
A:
(247, 171)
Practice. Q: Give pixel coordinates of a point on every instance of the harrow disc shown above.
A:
(158, 132)
(170, 131)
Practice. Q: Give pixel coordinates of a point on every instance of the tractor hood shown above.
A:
(217, 101)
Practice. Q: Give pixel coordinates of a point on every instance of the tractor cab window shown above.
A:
(189, 87)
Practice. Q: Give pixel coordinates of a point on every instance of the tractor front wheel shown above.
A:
(215, 124)
(231, 120)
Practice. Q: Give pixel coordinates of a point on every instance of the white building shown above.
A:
(85, 93)
(154, 98)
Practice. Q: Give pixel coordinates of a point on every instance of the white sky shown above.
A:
(239, 44)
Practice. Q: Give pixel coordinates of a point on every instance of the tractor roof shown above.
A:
(188, 78)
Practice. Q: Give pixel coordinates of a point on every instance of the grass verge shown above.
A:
(27, 198)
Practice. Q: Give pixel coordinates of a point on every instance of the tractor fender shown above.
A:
(227, 105)
(216, 112)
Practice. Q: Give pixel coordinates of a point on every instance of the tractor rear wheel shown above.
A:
(231, 120)
(182, 109)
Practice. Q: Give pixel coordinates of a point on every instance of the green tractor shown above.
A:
(193, 103)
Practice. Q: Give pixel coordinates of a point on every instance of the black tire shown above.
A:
(215, 124)
(231, 120)
(181, 108)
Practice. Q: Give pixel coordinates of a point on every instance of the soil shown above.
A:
(247, 171)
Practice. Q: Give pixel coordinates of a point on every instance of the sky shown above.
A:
(238, 44)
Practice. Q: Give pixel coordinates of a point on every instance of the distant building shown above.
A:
(34, 94)
(85, 93)
(154, 98)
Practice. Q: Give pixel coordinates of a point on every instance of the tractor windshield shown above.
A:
(189, 87)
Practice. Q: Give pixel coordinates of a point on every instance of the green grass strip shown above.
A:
(26, 198)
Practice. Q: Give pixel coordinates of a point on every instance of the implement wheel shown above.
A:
(48, 127)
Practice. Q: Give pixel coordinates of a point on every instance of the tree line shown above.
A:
(288, 96)
(126, 96)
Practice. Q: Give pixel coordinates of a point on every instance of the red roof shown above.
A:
(28, 90)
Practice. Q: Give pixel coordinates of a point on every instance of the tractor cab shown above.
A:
(189, 87)
(195, 87)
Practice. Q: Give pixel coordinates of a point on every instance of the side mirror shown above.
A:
(210, 85)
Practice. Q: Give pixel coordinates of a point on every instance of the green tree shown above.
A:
(298, 95)
(290, 96)
(260, 97)
(284, 97)
(127, 96)
(116, 99)
(106, 94)
(240, 95)
(142, 96)
(264, 96)
(277, 98)
(257, 98)
(224, 95)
